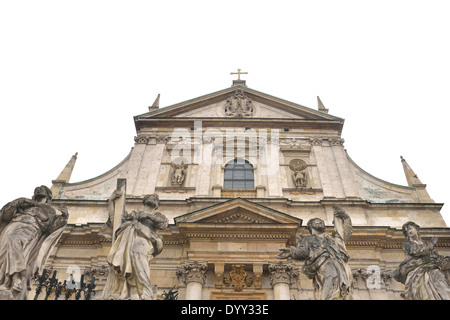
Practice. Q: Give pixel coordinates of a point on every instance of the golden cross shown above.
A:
(239, 73)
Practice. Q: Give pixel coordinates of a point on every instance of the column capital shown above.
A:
(283, 272)
(192, 271)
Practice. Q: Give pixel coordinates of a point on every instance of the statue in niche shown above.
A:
(299, 176)
(326, 258)
(29, 229)
(135, 243)
(425, 273)
(178, 174)
(299, 179)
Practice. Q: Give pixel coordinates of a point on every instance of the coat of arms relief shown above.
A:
(239, 106)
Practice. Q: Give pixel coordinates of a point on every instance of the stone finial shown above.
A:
(64, 176)
(155, 104)
(411, 177)
(321, 106)
(66, 173)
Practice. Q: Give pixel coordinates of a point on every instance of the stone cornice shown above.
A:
(240, 123)
(238, 231)
(376, 237)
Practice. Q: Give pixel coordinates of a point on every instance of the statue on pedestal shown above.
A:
(325, 257)
(135, 243)
(29, 229)
(425, 273)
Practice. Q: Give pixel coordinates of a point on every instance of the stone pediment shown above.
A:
(237, 211)
(220, 110)
(237, 102)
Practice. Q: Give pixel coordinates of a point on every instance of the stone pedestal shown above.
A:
(217, 191)
(260, 191)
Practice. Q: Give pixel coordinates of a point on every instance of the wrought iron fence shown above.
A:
(56, 290)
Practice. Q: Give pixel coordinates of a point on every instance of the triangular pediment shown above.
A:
(237, 102)
(237, 211)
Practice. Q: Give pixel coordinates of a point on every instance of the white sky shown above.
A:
(74, 73)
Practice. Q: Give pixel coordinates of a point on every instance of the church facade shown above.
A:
(239, 173)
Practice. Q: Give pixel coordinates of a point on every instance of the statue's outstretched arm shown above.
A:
(299, 252)
(342, 224)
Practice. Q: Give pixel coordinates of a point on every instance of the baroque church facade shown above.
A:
(239, 173)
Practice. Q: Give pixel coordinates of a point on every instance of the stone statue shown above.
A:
(299, 179)
(424, 272)
(135, 243)
(299, 176)
(29, 229)
(325, 257)
(178, 174)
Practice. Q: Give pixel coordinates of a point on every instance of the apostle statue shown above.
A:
(178, 174)
(299, 178)
(424, 272)
(29, 229)
(326, 257)
(135, 243)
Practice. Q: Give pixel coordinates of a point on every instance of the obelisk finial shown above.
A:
(411, 176)
(321, 106)
(155, 104)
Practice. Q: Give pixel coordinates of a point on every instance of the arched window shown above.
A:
(239, 175)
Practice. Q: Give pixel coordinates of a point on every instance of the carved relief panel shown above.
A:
(239, 106)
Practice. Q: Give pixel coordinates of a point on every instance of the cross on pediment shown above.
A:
(239, 73)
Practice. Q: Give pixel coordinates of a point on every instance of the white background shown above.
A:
(74, 73)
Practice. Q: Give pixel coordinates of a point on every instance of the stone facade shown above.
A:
(215, 231)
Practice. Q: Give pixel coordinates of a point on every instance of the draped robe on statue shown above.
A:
(326, 258)
(28, 231)
(136, 243)
(424, 272)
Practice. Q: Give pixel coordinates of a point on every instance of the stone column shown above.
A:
(282, 276)
(193, 275)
